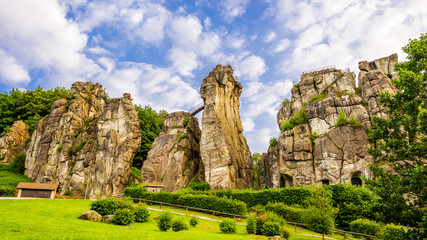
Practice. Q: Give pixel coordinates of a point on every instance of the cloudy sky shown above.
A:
(159, 51)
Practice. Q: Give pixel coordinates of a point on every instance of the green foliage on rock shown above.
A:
(185, 122)
(313, 136)
(29, 106)
(273, 142)
(256, 169)
(179, 225)
(164, 222)
(298, 118)
(182, 136)
(123, 217)
(342, 119)
(354, 122)
(228, 226)
(400, 141)
(365, 226)
(198, 185)
(136, 173)
(285, 102)
(151, 123)
(18, 163)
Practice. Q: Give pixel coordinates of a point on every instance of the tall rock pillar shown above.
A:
(224, 151)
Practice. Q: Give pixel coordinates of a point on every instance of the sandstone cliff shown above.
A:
(13, 141)
(224, 151)
(174, 159)
(317, 149)
(85, 145)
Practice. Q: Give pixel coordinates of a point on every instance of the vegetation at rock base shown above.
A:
(29, 106)
(256, 169)
(9, 180)
(136, 173)
(401, 143)
(123, 217)
(198, 185)
(151, 123)
(18, 163)
(109, 206)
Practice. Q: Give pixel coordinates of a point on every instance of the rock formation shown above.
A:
(85, 145)
(13, 141)
(174, 159)
(316, 149)
(224, 151)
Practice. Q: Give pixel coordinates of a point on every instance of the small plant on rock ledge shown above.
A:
(182, 136)
(313, 136)
(354, 122)
(285, 102)
(342, 119)
(185, 122)
(273, 142)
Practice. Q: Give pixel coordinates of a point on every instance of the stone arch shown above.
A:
(356, 179)
(286, 180)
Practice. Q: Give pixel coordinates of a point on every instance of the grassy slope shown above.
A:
(9, 180)
(57, 219)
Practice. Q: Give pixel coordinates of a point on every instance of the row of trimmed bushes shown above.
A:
(387, 232)
(292, 214)
(209, 202)
(289, 196)
(124, 210)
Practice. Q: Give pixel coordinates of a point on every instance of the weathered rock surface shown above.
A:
(224, 150)
(174, 159)
(107, 218)
(91, 215)
(85, 145)
(13, 141)
(319, 151)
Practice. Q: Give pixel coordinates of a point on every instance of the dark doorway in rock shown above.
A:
(286, 181)
(325, 182)
(356, 181)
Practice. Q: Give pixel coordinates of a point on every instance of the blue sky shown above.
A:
(159, 51)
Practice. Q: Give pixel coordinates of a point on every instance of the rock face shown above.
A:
(318, 150)
(174, 159)
(91, 216)
(85, 145)
(224, 151)
(13, 141)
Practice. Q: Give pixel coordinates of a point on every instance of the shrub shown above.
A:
(185, 122)
(18, 163)
(342, 119)
(318, 97)
(365, 226)
(165, 221)
(270, 229)
(179, 225)
(251, 224)
(213, 203)
(197, 185)
(284, 233)
(393, 232)
(273, 142)
(313, 136)
(109, 206)
(292, 214)
(123, 217)
(194, 221)
(354, 122)
(228, 226)
(298, 118)
(141, 214)
(136, 174)
(285, 102)
(358, 90)
(80, 146)
(182, 136)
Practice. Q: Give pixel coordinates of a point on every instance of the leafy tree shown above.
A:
(29, 106)
(255, 162)
(401, 141)
(151, 123)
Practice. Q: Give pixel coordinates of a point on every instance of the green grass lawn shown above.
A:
(57, 219)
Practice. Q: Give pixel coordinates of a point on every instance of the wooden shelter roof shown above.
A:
(40, 186)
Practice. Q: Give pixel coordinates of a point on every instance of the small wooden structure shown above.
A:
(36, 190)
(153, 187)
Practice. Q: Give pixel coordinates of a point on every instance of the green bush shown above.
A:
(284, 233)
(185, 122)
(298, 118)
(285, 102)
(141, 213)
(354, 122)
(251, 224)
(165, 221)
(273, 142)
(18, 163)
(182, 136)
(342, 119)
(213, 203)
(136, 174)
(9, 180)
(109, 206)
(365, 226)
(270, 229)
(179, 225)
(393, 232)
(313, 136)
(316, 221)
(194, 221)
(123, 217)
(228, 226)
(288, 213)
(197, 185)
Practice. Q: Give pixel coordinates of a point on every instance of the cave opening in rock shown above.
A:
(325, 182)
(286, 181)
(356, 181)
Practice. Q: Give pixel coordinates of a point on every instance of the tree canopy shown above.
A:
(29, 106)
(400, 149)
(151, 123)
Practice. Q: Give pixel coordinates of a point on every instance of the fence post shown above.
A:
(160, 205)
(295, 228)
(344, 236)
(186, 210)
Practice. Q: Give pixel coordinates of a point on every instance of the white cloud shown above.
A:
(251, 67)
(281, 45)
(12, 73)
(233, 8)
(185, 31)
(184, 62)
(270, 37)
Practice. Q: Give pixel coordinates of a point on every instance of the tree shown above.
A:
(151, 123)
(400, 141)
(255, 163)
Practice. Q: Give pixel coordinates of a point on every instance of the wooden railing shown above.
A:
(334, 229)
(191, 208)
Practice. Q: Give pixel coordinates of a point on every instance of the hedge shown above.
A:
(288, 213)
(365, 226)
